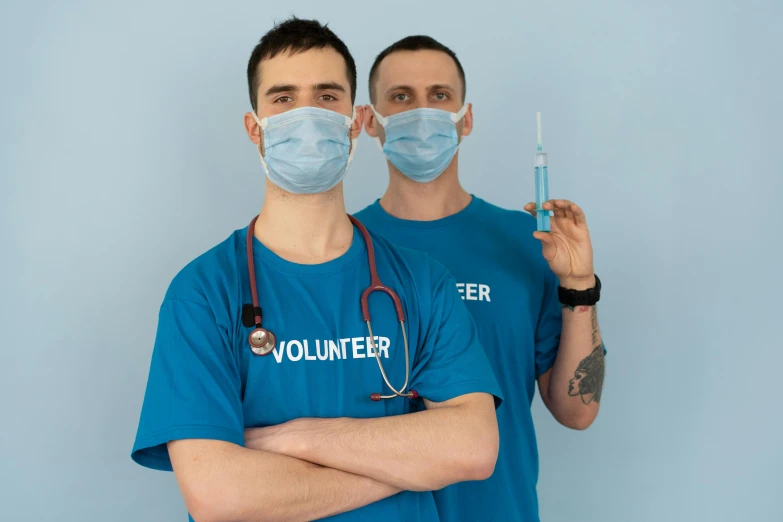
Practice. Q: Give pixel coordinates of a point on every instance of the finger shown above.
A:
(558, 208)
(531, 207)
(579, 215)
(571, 210)
(563, 207)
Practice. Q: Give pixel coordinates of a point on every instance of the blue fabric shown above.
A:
(512, 294)
(205, 383)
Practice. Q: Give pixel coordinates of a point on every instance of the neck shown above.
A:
(304, 228)
(442, 197)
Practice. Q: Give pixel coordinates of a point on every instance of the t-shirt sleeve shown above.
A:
(550, 324)
(452, 361)
(194, 386)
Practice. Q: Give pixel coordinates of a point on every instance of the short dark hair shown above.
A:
(415, 43)
(296, 36)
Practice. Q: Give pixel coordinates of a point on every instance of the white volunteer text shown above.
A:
(473, 292)
(353, 347)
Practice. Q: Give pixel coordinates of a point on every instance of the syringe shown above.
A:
(542, 183)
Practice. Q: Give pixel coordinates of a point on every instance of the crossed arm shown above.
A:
(221, 481)
(312, 468)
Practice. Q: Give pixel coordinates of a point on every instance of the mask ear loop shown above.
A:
(262, 126)
(383, 121)
(354, 141)
(455, 117)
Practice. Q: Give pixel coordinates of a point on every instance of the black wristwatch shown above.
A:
(571, 297)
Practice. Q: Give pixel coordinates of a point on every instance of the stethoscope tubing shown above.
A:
(262, 341)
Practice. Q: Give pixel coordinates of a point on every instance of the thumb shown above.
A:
(545, 237)
(548, 245)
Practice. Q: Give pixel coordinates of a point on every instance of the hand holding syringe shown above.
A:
(561, 227)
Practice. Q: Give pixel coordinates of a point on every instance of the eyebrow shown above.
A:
(436, 87)
(277, 89)
(327, 86)
(399, 88)
(441, 87)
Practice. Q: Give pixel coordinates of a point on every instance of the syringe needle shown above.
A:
(538, 123)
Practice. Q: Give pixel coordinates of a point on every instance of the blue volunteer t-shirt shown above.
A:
(512, 294)
(204, 382)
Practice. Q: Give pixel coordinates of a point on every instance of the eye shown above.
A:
(328, 97)
(441, 96)
(400, 97)
(283, 99)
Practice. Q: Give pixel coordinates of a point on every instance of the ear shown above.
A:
(467, 121)
(370, 122)
(356, 126)
(252, 128)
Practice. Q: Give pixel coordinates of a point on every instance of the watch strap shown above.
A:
(571, 297)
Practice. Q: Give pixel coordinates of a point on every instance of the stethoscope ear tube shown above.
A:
(412, 394)
(262, 341)
(376, 285)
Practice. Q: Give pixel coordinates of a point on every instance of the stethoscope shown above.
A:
(262, 341)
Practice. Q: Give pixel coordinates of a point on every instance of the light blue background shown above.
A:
(123, 156)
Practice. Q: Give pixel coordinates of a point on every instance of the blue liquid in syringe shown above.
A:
(542, 182)
(542, 196)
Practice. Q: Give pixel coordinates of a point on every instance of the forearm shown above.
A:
(421, 451)
(577, 377)
(222, 481)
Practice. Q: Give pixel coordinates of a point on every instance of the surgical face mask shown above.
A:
(306, 150)
(421, 142)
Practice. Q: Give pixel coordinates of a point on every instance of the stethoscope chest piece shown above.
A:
(262, 341)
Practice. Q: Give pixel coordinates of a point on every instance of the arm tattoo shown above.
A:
(588, 378)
